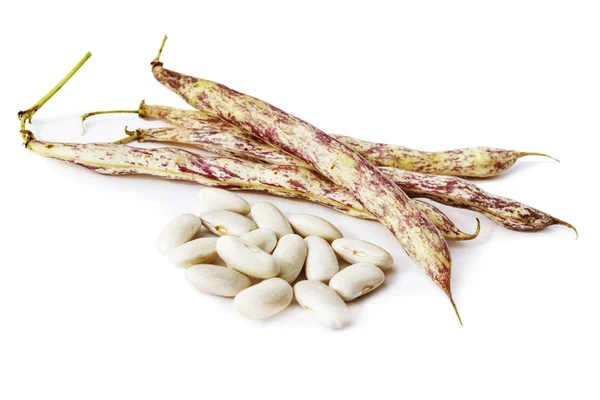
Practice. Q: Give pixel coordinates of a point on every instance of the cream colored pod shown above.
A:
(266, 215)
(246, 258)
(311, 225)
(290, 255)
(222, 222)
(263, 238)
(198, 251)
(323, 302)
(219, 199)
(358, 251)
(264, 299)
(321, 263)
(217, 280)
(177, 232)
(356, 280)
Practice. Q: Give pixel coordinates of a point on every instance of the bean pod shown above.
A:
(419, 238)
(222, 172)
(224, 138)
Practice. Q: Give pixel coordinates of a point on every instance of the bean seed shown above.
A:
(323, 302)
(220, 199)
(290, 255)
(199, 251)
(222, 222)
(264, 299)
(356, 280)
(263, 238)
(311, 225)
(357, 251)
(217, 280)
(246, 258)
(268, 216)
(321, 263)
(177, 232)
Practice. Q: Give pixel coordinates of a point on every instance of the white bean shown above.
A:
(197, 251)
(323, 302)
(357, 251)
(266, 215)
(246, 258)
(219, 199)
(321, 263)
(217, 280)
(356, 280)
(264, 299)
(290, 255)
(263, 238)
(311, 225)
(222, 222)
(177, 232)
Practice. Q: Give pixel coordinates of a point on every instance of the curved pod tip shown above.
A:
(568, 225)
(525, 154)
(475, 234)
(478, 228)
(455, 309)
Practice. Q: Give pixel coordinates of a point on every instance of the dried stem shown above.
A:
(455, 309)
(91, 114)
(131, 137)
(523, 154)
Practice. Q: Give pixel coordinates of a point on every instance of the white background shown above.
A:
(90, 310)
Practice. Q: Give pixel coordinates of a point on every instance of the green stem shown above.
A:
(25, 116)
(91, 114)
(157, 59)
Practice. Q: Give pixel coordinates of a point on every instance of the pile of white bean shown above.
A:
(266, 254)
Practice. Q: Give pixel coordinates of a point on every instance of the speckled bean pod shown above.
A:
(476, 162)
(222, 143)
(419, 238)
(509, 213)
(458, 192)
(226, 173)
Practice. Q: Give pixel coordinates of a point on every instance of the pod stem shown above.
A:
(131, 137)
(25, 116)
(156, 60)
(91, 114)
